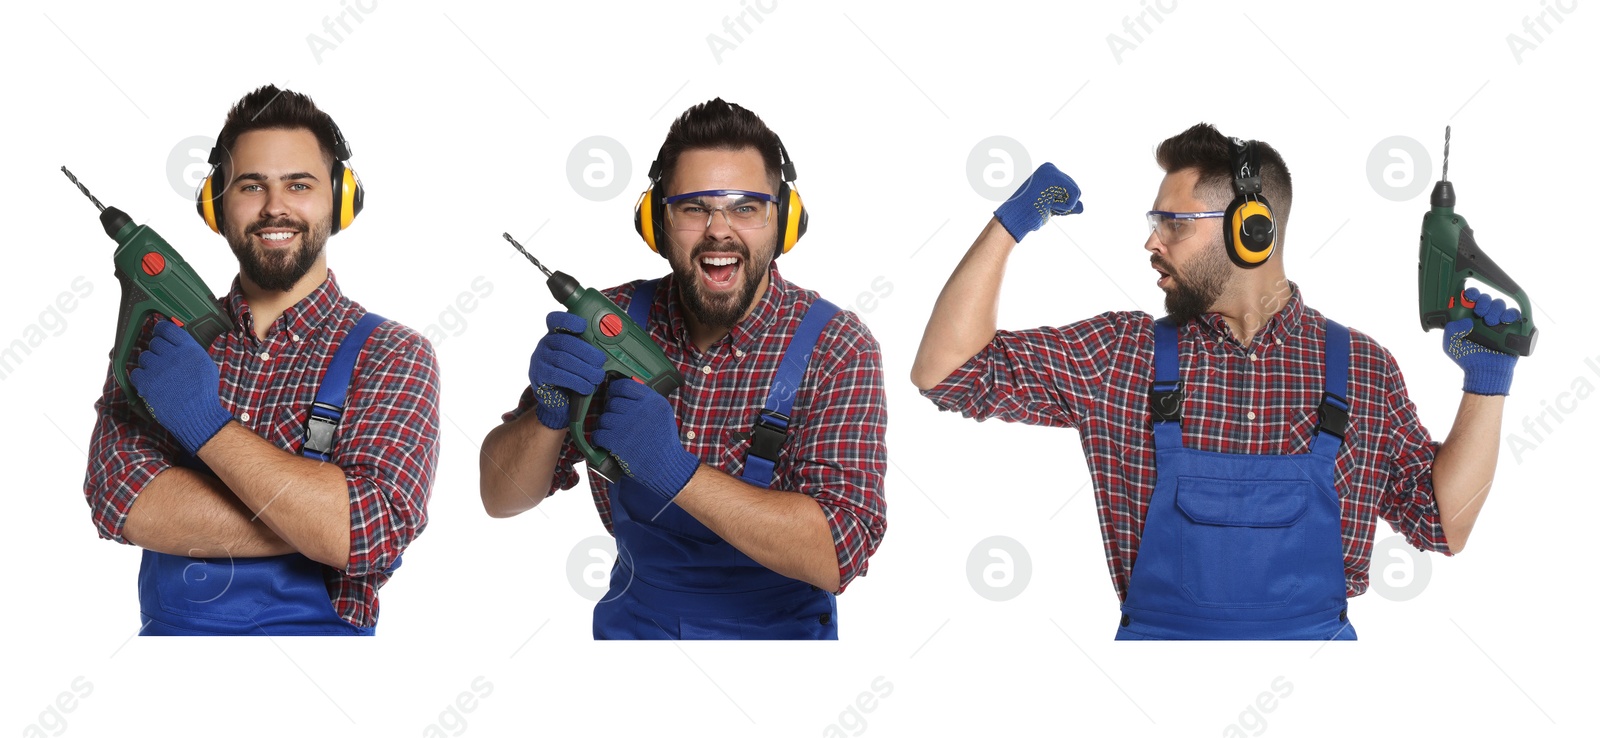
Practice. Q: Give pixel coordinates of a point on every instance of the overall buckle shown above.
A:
(767, 437)
(321, 424)
(1333, 416)
(1166, 401)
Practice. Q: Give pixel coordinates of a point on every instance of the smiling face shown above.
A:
(720, 272)
(278, 205)
(1196, 271)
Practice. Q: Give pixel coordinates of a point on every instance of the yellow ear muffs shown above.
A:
(649, 212)
(647, 216)
(1250, 233)
(348, 197)
(208, 201)
(792, 216)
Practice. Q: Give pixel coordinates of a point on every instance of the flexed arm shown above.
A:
(963, 319)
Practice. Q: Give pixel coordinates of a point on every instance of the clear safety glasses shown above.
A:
(1172, 228)
(743, 210)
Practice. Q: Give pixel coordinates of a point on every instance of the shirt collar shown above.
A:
(299, 319)
(1282, 325)
(745, 333)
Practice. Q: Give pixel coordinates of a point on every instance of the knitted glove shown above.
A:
(639, 429)
(1488, 372)
(178, 381)
(563, 363)
(1047, 192)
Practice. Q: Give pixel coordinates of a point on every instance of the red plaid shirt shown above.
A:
(1094, 375)
(835, 451)
(387, 442)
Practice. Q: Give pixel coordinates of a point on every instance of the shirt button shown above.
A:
(689, 435)
(1251, 415)
(1252, 356)
(739, 353)
(265, 356)
(705, 369)
(294, 337)
(1278, 341)
(244, 417)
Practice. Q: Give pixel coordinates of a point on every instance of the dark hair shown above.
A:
(717, 124)
(269, 108)
(1203, 149)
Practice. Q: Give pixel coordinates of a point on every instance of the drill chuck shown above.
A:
(563, 287)
(114, 220)
(1444, 194)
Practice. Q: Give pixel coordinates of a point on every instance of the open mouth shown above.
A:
(719, 270)
(1162, 280)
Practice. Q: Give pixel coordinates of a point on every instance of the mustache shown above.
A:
(284, 222)
(705, 247)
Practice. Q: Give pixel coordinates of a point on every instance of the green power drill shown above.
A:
(1449, 255)
(629, 353)
(155, 279)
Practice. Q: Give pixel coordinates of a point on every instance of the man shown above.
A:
(255, 516)
(754, 493)
(1256, 520)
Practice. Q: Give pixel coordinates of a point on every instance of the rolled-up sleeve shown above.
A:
(838, 455)
(388, 447)
(1045, 376)
(125, 453)
(1407, 502)
(565, 475)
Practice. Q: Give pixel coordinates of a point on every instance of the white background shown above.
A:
(463, 117)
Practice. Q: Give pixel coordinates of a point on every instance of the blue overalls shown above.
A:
(266, 595)
(676, 579)
(1240, 546)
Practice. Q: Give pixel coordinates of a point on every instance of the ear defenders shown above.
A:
(649, 215)
(1250, 231)
(348, 196)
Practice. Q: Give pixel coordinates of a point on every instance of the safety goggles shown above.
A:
(741, 209)
(1172, 228)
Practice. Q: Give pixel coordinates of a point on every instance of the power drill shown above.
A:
(1448, 256)
(155, 279)
(629, 353)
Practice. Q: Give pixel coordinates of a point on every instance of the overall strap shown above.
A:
(1333, 415)
(643, 297)
(772, 424)
(1166, 392)
(329, 405)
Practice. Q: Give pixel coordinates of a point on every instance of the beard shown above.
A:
(719, 310)
(1204, 280)
(278, 270)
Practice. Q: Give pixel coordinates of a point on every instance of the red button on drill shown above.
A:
(153, 262)
(610, 325)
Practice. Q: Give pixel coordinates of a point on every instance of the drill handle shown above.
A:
(1517, 338)
(131, 314)
(600, 461)
(1470, 257)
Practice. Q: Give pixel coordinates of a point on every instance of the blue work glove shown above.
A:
(1488, 372)
(178, 380)
(1047, 192)
(563, 363)
(639, 429)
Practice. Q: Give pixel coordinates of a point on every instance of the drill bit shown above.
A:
(1446, 176)
(85, 190)
(525, 253)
